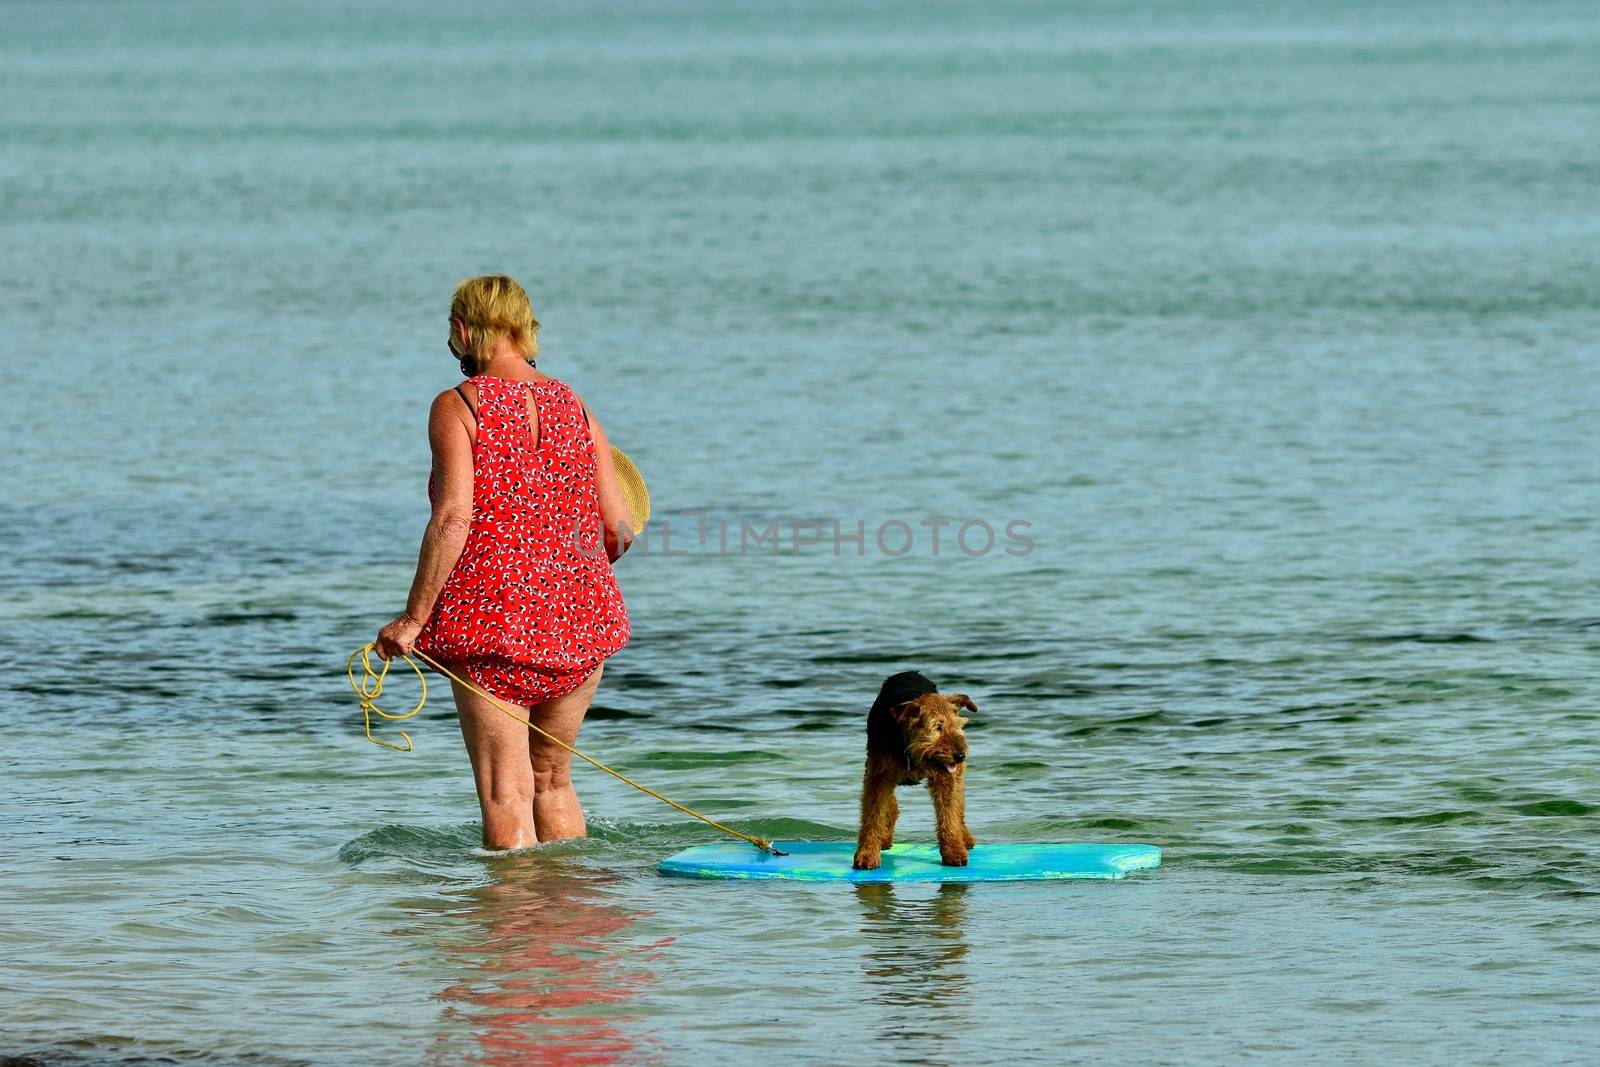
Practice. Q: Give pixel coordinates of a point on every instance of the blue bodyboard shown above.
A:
(829, 861)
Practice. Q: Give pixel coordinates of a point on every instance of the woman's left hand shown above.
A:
(397, 638)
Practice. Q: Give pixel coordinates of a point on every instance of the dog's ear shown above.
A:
(906, 713)
(961, 700)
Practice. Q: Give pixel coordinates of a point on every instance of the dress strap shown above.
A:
(467, 401)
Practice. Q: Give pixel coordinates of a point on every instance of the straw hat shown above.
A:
(633, 487)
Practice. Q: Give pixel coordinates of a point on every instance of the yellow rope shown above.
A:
(370, 688)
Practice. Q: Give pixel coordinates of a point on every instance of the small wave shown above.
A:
(1554, 807)
(132, 1052)
(1432, 818)
(410, 842)
(608, 840)
(601, 711)
(242, 618)
(682, 832)
(689, 758)
(1447, 637)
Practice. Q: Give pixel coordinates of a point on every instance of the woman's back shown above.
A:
(533, 587)
(536, 472)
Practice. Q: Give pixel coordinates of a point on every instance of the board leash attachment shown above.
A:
(370, 687)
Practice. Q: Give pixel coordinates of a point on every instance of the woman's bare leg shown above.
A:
(498, 748)
(556, 811)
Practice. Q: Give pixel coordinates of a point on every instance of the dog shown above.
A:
(914, 734)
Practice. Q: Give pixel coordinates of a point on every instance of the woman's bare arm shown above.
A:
(614, 513)
(446, 533)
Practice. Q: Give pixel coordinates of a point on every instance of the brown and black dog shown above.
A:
(914, 733)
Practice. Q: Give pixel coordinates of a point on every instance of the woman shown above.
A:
(511, 590)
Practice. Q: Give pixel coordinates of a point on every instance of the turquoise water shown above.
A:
(1275, 324)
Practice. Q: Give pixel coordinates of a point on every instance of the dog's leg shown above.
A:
(889, 820)
(946, 792)
(878, 813)
(961, 807)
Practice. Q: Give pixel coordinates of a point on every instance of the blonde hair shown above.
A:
(493, 307)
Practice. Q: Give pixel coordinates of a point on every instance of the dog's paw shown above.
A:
(952, 856)
(966, 835)
(867, 859)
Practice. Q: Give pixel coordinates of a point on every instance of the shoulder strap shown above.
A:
(467, 401)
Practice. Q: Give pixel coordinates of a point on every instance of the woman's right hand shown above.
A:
(397, 638)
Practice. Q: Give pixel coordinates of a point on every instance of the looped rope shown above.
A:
(370, 689)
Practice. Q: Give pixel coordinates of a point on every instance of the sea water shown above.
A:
(1261, 338)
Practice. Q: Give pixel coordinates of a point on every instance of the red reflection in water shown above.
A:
(544, 965)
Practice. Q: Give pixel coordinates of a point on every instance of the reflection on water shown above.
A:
(915, 964)
(544, 970)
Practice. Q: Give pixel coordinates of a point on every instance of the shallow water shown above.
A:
(1276, 327)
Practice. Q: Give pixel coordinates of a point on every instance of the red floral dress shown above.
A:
(532, 607)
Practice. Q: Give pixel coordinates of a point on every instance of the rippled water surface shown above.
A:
(1274, 326)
